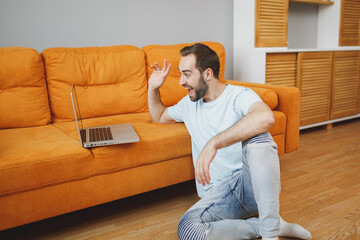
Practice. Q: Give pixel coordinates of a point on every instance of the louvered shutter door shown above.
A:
(314, 81)
(350, 23)
(281, 69)
(271, 23)
(345, 84)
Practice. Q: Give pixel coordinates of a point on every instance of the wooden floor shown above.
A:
(320, 190)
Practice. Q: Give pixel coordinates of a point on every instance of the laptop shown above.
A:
(102, 135)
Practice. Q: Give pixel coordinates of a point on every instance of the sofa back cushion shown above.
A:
(23, 95)
(109, 80)
(171, 92)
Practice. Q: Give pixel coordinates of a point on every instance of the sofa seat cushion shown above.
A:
(23, 94)
(158, 142)
(35, 157)
(107, 79)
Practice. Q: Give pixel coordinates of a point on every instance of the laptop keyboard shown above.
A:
(100, 134)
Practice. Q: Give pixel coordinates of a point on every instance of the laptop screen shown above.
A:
(77, 114)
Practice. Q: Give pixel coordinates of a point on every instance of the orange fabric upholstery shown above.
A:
(23, 96)
(30, 206)
(40, 156)
(267, 95)
(171, 92)
(278, 131)
(280, 142)
(108, 79)
(155, 142)
(43, 166)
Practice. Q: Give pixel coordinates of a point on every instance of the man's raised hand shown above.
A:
(159, 75)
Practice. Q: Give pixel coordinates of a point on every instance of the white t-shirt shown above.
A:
(204, 120)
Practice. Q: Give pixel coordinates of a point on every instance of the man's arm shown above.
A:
(258, 120)
(158, 112)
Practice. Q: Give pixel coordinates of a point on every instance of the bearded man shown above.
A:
(235, 158)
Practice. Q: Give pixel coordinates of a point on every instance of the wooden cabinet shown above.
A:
(281, 69)
(329, 82)
(349, 34)
(271, 23)
(314, 82)
(326, 74)
(345, 84)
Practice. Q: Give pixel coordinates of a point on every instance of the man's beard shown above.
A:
(200, 90)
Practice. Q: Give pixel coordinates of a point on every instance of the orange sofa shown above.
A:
(45, 172)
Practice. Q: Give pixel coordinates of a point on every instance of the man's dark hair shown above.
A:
(205, 57)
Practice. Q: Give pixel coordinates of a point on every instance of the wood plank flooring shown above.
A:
(320, 190)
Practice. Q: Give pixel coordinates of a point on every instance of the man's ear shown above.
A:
(208, 74)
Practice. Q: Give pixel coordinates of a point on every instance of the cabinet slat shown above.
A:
(314, 81)
(281, 69)
(349, 34)
(271, 23)
(345, 84)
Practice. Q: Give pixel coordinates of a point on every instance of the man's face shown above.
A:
(191, 78)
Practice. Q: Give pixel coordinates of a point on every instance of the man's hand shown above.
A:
(159, 75)
(157, 110)
(203, 163)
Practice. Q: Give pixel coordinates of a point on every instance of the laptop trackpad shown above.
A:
(124, 133)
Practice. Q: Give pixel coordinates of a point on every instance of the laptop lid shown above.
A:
(77, 114)
(120, 133)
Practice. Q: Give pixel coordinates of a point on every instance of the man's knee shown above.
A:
(191, 228)
(261, 146)
(263, 138)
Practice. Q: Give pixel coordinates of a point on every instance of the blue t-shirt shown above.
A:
(204, 120)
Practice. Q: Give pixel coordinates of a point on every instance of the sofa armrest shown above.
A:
(289, 100)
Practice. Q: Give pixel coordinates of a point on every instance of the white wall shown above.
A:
(42, 24)
(302, 25)
(329, 25)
